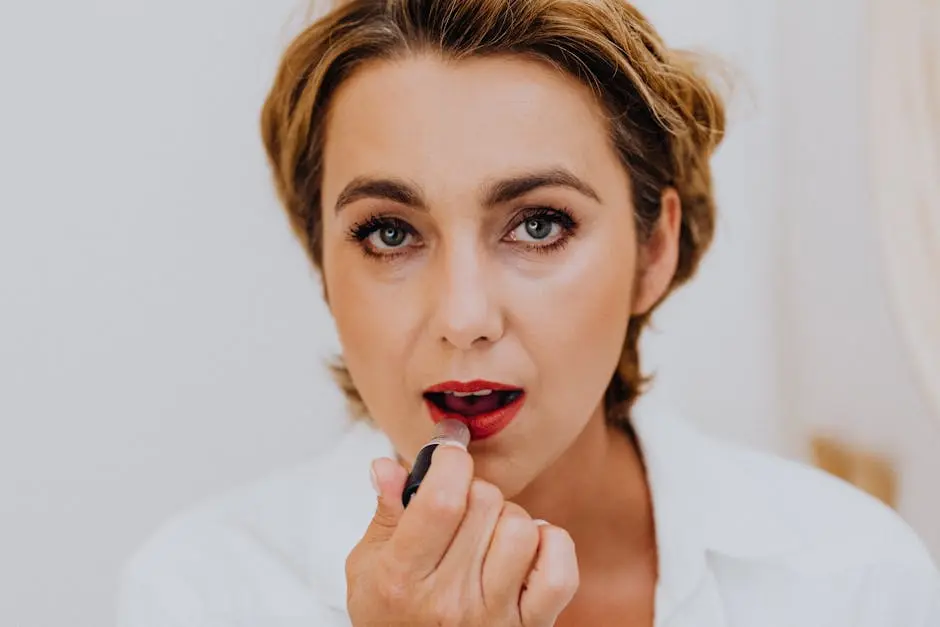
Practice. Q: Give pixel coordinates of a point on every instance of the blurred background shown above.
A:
(163, 337)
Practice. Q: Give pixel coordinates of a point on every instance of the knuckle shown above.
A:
(485, 495)
(517, 526)
(564, 538)
(447, 614)
(394, 591)
(561, 583)
(448, 608)
(514, 511)
(384, 521)
(446, 504)
(558, 537)
(564, 580)
(352, 563)
(450, 459)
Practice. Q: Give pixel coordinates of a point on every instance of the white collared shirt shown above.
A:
(745, 540)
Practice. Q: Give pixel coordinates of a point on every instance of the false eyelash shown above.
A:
(360, 231)
(562, 216)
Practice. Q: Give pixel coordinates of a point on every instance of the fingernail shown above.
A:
(452, 432)
(453, 443)
(374, 478)
(540, 522)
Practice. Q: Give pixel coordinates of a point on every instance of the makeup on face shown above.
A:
(469, 247)
(485, 407)
(446, 433)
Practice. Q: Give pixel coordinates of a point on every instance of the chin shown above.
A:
(505, 472)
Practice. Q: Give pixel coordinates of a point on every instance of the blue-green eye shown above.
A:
(389, 237)
(536, 229)
(382, 236)
(543, 227)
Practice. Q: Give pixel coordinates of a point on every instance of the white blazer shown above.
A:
(745, 540)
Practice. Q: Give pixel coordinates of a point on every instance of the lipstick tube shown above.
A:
(449, 433)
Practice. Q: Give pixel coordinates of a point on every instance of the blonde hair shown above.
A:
(665, 118)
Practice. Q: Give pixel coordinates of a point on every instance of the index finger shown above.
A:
(434, 514)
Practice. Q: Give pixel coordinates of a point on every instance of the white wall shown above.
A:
(791, 308)
(161, 332)
(845, 370)
(714, 342)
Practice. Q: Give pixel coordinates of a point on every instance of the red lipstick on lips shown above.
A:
(484, 406)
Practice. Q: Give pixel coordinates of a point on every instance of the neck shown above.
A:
(597, 491)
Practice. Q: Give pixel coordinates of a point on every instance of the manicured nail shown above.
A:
(453, 444)
(374, 478)
(451, 432)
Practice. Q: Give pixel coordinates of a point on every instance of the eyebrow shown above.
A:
(395, 190)
(509, 189)
(500, 192)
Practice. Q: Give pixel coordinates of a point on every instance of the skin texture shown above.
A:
(461, 288)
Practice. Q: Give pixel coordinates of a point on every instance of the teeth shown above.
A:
(477, 393)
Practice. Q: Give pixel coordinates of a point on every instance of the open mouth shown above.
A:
(486, 408)
(470, 404)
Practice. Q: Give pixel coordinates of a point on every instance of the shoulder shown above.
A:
(829, 548)
(804, 543)
(833, 521)
(808, 546)
(278, 542)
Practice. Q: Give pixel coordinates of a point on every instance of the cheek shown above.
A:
(376, 324)
(379, 313)
(355, 297)
(574, 322)
(570, 324)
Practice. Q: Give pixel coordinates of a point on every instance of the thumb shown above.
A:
(388, 479)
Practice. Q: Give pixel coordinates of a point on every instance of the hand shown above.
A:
(460, 555)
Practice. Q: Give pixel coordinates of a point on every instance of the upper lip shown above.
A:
(468, 387)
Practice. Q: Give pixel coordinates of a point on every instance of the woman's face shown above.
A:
(477, 225)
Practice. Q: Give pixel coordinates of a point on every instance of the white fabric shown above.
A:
(905, 131)
(745, 540)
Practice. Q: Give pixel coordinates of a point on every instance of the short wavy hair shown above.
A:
(665, 116)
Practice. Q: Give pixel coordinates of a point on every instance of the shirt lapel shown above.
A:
(344, 506)
(704, 504)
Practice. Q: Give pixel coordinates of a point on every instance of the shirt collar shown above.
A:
(705, 501)
(343, 507)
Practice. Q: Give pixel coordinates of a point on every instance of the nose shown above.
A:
(466, 312)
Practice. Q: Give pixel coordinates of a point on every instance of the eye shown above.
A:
(543, 228)
(536, 229)
(391, 236)
(381, 236)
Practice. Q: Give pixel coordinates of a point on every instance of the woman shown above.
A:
(498, 194)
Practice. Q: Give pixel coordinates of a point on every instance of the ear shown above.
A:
(658, 255)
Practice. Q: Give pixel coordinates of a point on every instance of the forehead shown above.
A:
(450, 125)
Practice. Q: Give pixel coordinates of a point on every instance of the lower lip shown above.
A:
(481, 426)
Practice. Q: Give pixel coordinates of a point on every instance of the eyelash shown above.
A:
(561, 217)
(361, 231)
